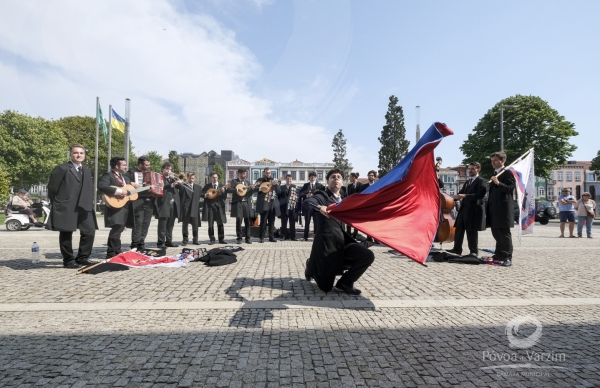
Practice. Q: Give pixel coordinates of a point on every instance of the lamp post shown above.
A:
(502, 106)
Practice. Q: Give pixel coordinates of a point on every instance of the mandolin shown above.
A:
(266, 187)
(242, 189)
(212, 193)
(118, 201)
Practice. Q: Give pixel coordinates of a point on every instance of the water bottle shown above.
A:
(35, 253)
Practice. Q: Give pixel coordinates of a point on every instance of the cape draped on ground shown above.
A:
(402, 209)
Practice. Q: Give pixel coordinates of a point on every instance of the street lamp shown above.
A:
(502, 106)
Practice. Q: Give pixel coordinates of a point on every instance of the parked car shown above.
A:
(544, 212)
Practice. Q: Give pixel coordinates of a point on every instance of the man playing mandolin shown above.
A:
(115, 218)
(267, 204)
(214, 208)
(240, 204)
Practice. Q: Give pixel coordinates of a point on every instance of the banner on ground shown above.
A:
(138, 260)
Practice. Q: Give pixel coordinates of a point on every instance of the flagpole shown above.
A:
(127, 124)
(109, 134)
(96, 155)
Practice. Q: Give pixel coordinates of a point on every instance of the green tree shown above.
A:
(174, 159)
(394, 145)
(533, 124)
(4, 185)
(219, 170)
(31, 148)
(156, 161)
(339, 153)
(596, 164)
(82, 130)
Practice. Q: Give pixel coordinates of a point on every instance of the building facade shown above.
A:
(297, 169)
(451, 180)
(571, 176)
(202, 164)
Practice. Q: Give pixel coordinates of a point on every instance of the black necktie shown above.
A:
(79, 171)
(215, 186)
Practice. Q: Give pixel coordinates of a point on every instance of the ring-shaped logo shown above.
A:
(512, 330)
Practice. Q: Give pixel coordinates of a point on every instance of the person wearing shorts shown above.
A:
(566, 212)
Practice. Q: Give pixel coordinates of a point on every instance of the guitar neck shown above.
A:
(140, 189)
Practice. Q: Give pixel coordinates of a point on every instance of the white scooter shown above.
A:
(16, 221)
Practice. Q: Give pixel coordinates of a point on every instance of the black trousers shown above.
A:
(214, 214)
(349, 231)
(307, 218)
(114, 240)
(187, 220)
(357, 258)
(87, 232)
(504, 246)
(142, 218)
(288, 219)
(459, 235)
(238, 227)
(268, 216)
(165, 228)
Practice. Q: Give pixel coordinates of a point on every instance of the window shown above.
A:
(294, 175)
(302, 175)
(230, 174)
(320, 175)
(451, 191)
(448, 178)
(591, 177)
(550, 192)
(44, 189)
(283, 173)
(33, 190)
(559, 176)
(551, 175)
(255, 173)
(577, 176)
(541, 191)
(569, 176)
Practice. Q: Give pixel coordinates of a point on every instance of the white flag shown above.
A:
(524, 177)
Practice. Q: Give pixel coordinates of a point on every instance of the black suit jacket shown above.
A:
(236, 199)
(261, 200)
(305, 190)
(351, 190)
(284, 198)
(216, 203)
(143, 197)
(500, 207)
(162, 205)
(68, 191)
(472, 207)
(112, 216)
(195, 192)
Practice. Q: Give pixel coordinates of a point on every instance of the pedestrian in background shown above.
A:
(586, 211)
(566, 212)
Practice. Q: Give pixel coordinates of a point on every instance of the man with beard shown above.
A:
(267, 205)
(288, 199)
(167, 208)
(471, 215)
(334, 252)
(140, 210)
(189, 194)
(214, 209)
(240, 204)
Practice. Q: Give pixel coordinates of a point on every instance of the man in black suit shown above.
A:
(267, 205)
(71, 194)
(240, 205)
(471, 215)
(115, 219)
(288, 200)
(307, 191)
(334, 252)
(353, 187)
(214, 209)
(167, 208)
(189, 197)
(500, 209)
(371, 175)
(140, 210)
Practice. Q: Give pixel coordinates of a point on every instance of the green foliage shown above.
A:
(596, 164)
(174, 159)
(394, 145)
(4, 185)
(156, 161)
(82, 130)
(339, 153)
(31, 148)
(219, 170)
(533, 124)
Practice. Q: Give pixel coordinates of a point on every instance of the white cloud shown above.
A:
(186, 76)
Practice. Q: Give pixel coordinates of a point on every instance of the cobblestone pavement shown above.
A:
(259, 323)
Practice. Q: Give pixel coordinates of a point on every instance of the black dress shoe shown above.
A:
(272, 240)
(454, 252)
(238, 241)
(348, 290)
(506, 263)
(294, 239)
(222, 242)
(262, 240)
(184, 243)
(248, 241)
(305, 239)
(141, 248)
(306, 273)
(195, 242)
(171, 245)
(86, 262)
(71, 264)
(160, 246)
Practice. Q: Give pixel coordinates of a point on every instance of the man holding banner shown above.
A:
(500, 209)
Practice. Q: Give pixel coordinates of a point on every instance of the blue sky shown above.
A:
(277, 79)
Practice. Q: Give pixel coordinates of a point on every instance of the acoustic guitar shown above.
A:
(117, 202)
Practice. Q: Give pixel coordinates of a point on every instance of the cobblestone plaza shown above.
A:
(259, 323)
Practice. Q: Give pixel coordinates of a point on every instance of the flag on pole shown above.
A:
(102, 123)
(402, 209)
(523, 171)
(118, 122)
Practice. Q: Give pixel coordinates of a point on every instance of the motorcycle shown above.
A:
(16, 221)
